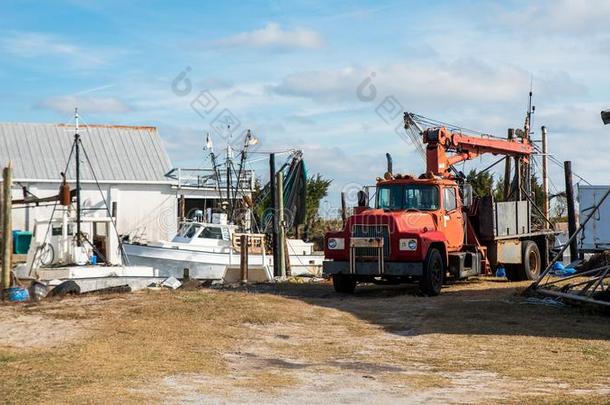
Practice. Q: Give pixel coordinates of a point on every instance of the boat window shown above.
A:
(192, 231)
(210, 232)
(183, 229)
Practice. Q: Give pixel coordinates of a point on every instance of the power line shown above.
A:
(560, 164)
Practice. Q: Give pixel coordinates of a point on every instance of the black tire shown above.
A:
(431, 281)
(531, 263)
(66, 288)
(344, 283)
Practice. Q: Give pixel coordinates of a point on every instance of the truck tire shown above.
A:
(530, 266)
(344, 283)
(431, 281)
(532, 261)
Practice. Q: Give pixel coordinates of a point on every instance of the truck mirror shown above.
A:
(363, 199)
(467, 194)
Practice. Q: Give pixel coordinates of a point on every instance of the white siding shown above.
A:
(146, 210)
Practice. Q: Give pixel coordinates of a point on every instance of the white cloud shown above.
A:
(272, 36)
(87, 105)
(34, 45)
(560, 16)
(421, 85)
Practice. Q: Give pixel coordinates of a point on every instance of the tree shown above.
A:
(538, 192)
(559, 211)
(317, 189)
(482, 183)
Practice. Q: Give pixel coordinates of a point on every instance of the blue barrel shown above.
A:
(18, 294)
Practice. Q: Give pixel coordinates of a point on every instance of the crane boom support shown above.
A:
(440, 141)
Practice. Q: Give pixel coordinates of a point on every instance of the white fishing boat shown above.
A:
(211, 251)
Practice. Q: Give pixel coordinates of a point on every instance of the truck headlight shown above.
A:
(336, 243)
(407, 244)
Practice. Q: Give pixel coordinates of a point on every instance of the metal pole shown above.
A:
(343, 209)
(182, 207)
(518, 179)
(274, 221)
(229, 208)
(507, 169)
(545, 175)
(282, 230)
(78, 213)
(7, 232)
(567, 165)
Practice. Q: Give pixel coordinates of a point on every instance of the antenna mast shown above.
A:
(77, 155)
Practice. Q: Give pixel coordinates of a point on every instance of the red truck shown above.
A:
(425, 229)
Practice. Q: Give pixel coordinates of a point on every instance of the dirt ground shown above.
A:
(479, 342)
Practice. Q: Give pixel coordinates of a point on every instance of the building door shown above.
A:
(453, 218)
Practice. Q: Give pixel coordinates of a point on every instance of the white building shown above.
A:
(127, 175)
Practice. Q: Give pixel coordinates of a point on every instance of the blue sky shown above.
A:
(290, 71)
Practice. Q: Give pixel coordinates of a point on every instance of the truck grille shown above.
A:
(372, 231)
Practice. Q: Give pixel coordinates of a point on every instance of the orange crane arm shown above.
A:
(465, 147)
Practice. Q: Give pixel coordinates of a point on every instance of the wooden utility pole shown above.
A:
(545, 176)
(274, 215)
(243, 258)
(508, 170)
(7, 232)
(567, 165)
(281, 245)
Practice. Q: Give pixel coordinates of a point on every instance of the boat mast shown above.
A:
(228, 166)
(77, 155)
(210, 146)
(250, 140)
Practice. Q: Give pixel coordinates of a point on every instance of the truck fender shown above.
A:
(435, 239)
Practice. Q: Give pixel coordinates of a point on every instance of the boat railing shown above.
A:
(256, 242)
(208, 178)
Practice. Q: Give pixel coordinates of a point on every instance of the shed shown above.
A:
(126, 171)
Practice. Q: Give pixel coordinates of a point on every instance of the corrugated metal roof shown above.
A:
(117, 153)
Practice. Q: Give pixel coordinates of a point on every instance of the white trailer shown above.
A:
(596, 233)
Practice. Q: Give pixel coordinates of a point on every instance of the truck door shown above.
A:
(453, 218)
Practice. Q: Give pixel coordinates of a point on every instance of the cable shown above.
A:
(426, 120)
(49, 225)
(558, 163)
(112, 220)
(123, 254)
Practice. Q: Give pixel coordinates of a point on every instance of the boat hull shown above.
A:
(204, 265)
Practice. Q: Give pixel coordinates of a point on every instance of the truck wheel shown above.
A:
(344, 283)
(531, 260)
(531, 264)
(431, 281)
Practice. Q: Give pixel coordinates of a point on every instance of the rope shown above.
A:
(123, 254)
(560, 164)
(436, 123)
(122, 249)
(49, 224)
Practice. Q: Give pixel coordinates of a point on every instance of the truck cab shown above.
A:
(428, 228)
(415, 227)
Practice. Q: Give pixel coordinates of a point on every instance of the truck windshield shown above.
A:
(408, 196)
